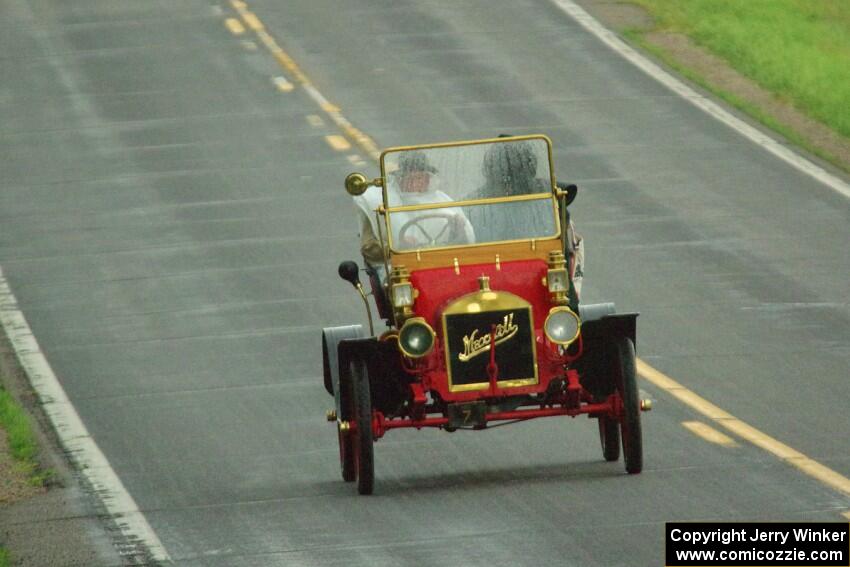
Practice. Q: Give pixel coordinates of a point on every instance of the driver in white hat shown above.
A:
(410, 184)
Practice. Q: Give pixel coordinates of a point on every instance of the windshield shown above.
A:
(503, 187)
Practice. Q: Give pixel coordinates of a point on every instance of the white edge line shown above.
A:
(611, 40)
(73, 435)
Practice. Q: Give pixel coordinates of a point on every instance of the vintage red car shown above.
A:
(472, 271)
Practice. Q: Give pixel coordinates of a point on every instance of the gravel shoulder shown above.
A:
(57, 524)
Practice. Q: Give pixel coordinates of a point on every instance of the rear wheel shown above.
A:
(609, 437)
(364, 462)
(630, 423)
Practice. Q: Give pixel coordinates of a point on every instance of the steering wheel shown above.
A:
(417, 222)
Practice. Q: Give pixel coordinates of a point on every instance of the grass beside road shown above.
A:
(14, 421)
(21, 446)
(797, 49)
(21, 441)
(18, 458)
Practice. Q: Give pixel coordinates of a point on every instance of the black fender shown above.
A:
(601, 326)
(331, 337)
(346, 350)
(602, 320)
(388, 381)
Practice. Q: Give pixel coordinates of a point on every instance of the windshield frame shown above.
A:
(550, 195)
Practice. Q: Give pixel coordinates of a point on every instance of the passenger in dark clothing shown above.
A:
(510, 169)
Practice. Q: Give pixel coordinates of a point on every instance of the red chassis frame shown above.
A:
(580, 402)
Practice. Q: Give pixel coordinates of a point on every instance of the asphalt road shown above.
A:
(171, 219)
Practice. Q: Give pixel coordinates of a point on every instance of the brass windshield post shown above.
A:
(385, 244)
(562, 205)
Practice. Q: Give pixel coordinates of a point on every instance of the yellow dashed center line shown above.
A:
(235, 26)
(747, 432)
(337, 142)
(284, 60)
(687, 397)
(252, 21)
(282, 84)
(709, 433)
(315, 120)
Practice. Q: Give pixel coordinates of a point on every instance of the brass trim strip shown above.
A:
(471, 202)
(500, 383)
(480, 142)
(495, 201)
(480, 254)
(532, 245)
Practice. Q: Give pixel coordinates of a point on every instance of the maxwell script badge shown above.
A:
(474, 344)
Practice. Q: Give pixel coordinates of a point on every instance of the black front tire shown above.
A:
(364, 459)
(630, 424)
(609, 437)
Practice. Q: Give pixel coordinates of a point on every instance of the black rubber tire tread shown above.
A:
(363, 442)
(346, 455)
(630, 429)
(326, 367)
(609, 437)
